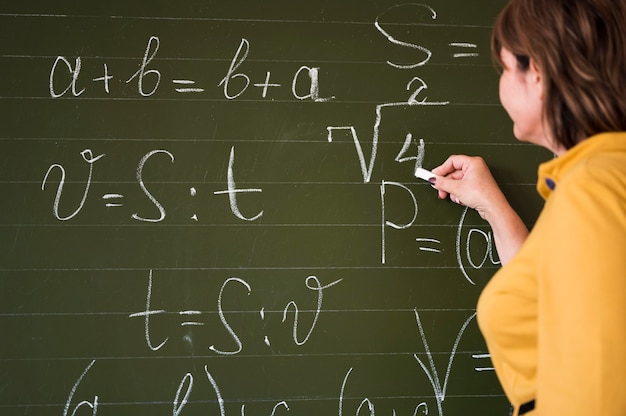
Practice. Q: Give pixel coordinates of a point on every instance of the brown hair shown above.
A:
(580, 48)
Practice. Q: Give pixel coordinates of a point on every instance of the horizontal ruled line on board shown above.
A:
(237, 20)
(182, 269)
(268, 356)
(241, 100)
(242, 183)
(249, 61)
(260, 182)
(196, 225)
(253, 312)
(209, 140)
(331, 398)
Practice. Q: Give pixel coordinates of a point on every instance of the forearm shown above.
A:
(509, 231)
(468, 181)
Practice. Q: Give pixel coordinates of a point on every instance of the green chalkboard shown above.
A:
(209, 208)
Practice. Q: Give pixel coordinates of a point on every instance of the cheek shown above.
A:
(501, 94)
(504, 92)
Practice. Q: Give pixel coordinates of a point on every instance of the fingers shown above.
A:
(447, 173)
(454, 163)
(448, 186)
(462, 178)
(449, 169)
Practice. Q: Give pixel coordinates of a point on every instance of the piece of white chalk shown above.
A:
(424, 174)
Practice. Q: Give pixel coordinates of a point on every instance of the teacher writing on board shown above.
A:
(554, 316)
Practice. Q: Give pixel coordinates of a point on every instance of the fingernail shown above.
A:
(432, 180)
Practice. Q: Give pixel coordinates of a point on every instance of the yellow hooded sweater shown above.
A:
(554, 317)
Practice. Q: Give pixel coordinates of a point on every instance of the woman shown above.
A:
(554, 317)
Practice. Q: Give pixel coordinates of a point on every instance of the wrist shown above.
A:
(498, 209)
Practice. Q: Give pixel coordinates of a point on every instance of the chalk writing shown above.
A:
(482, 357)
(228, 328)
(90, 159)
(432, 241)
(240, 56)
(233, 84)
(143, 72)
(233, 191)
(311, 282)
(430, 370)
(75, 72)
(187, 384)
(185, 392)
(368, 166)
(317, 287)
(464, 257)
(233, 222)
(464, 45)
(468, 240)
(147, 313)
(152, 199)
(189, 86)
(395, 41)
(421, 408)
(92, 405)
(87, 155)
(387, 223)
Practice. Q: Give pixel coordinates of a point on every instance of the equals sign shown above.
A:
(190, 323)
(480, 357)
(186, 89)
(466, 46)
(428, 240)
(108, 197)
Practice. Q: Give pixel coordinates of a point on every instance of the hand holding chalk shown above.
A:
(468, 181)
(424, 174)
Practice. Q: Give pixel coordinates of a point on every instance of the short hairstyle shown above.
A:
(580, 48)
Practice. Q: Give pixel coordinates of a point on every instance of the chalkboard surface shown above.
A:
(209, 208)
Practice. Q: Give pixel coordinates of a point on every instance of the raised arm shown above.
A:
(468, 181)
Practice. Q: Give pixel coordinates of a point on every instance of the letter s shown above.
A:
(407, 44)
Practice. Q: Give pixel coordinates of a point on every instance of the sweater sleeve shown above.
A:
(582, 297)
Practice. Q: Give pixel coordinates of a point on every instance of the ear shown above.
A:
(535, 78)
